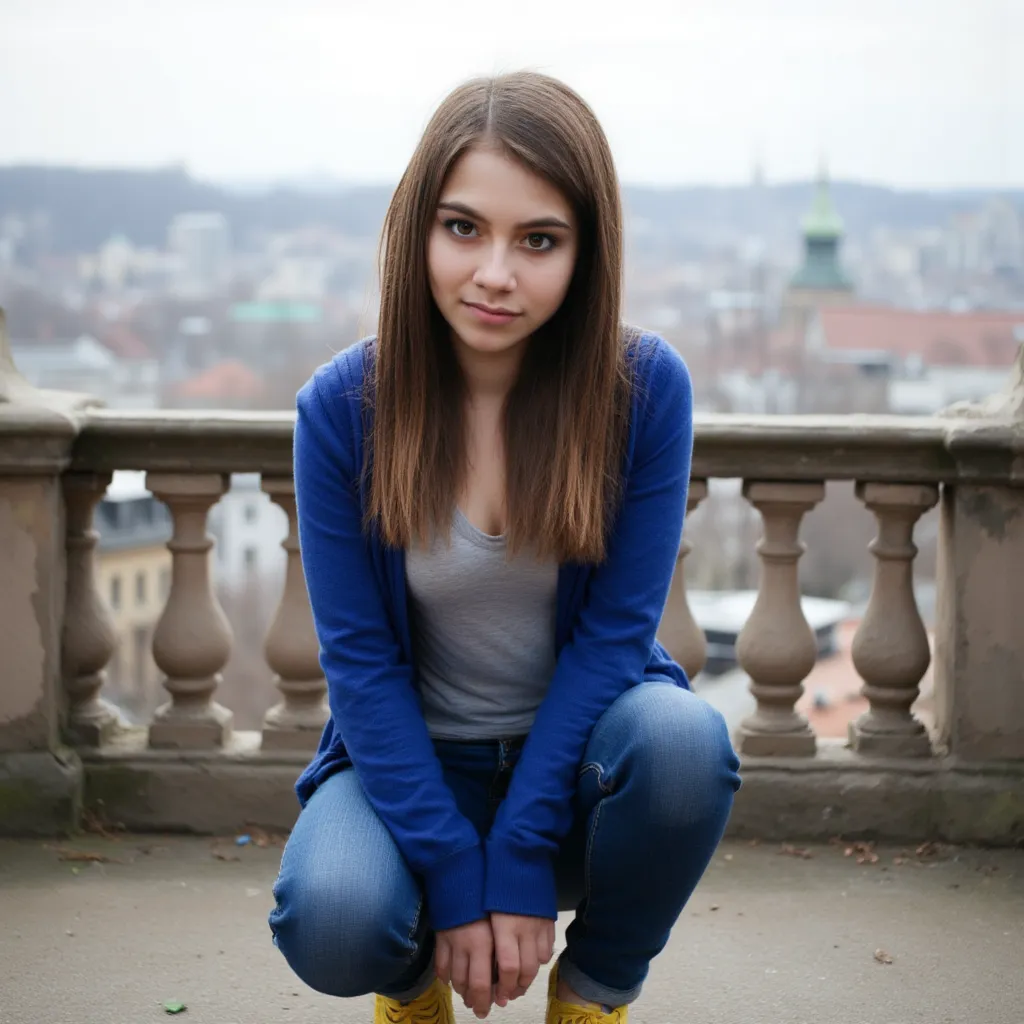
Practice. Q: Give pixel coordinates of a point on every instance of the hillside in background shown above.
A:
(83, 208)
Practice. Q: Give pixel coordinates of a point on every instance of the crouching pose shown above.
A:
(490, 499)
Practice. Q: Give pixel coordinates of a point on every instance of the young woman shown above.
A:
(491, 496)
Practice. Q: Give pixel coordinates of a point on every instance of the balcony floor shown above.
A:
(791, 940)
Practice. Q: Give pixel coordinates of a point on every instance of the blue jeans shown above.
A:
(654, 794)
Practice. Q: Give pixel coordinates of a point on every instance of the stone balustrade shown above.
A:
(189, 768)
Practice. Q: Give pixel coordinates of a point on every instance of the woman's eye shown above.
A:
(461, 228)
(539, 243)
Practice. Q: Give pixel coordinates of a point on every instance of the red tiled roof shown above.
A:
(939, 338)
(229, 379)
(835, 682)
(124, 342)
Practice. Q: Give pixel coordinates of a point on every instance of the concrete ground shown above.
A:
(772, 936)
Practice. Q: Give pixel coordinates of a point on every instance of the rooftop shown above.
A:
(983, 338)
(228, 380)
(774, 933)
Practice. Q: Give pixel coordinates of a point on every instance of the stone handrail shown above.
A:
(898, 464)
(896, 449)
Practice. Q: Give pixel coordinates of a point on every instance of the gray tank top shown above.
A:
(483, 632)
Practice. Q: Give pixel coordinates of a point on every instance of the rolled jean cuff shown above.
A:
(414, 991)
(593, 991)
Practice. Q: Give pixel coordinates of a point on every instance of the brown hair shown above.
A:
(567, 415)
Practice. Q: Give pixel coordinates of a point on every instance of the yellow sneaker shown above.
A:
(570, 1013)
(433, 1007)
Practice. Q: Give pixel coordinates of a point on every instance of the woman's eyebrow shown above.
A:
(538, 222)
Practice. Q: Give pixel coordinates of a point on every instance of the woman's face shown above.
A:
(501, 251)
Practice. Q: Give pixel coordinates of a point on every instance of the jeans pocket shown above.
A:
(592, 774)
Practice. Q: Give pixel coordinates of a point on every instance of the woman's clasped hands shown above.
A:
(495, 960)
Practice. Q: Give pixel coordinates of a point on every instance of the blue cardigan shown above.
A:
(605, 627)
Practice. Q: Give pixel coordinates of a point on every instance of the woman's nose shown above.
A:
(495, 272)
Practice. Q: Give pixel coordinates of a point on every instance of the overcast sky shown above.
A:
(902, 92)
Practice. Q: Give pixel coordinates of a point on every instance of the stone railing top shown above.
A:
(181, 441)
(881, 448)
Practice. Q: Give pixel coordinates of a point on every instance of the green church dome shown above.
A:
(823, 231)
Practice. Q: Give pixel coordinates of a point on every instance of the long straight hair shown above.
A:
(566, 417)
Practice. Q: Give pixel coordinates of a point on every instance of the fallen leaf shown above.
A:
(91, 822)
(223, 855)
(259, 837)
(173, 1006)
(795, 851)
(865, 852)
(85, 855)
(264, 837)
(882, 957)
(714, 906)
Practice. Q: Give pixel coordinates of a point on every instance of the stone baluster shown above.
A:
(679, 632)
(87, 638)
(890, 648)
(291, 647)
(192, 641)
(776, 646)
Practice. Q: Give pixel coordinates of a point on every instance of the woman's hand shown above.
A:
(465, 957)
(521, 945)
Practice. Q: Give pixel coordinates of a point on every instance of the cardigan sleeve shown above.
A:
(370, 684)
(607, 652)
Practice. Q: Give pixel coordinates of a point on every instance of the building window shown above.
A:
(250, 512)
(115, 670)
(140, 588)
(140, 638)
(115, 592)
(250, 560)
(165, 583)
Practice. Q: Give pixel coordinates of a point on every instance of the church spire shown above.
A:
(823, 233)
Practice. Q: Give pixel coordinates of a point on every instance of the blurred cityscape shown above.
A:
(154, 290)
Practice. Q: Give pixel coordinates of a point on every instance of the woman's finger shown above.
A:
(528, 962)
(479, 985)
(506, 954)
(460, 971)
(443, 961)
(546, 943)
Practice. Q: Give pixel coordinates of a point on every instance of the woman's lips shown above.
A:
(490, 315)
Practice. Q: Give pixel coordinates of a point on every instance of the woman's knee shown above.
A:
(347, 913)
(679, 753)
